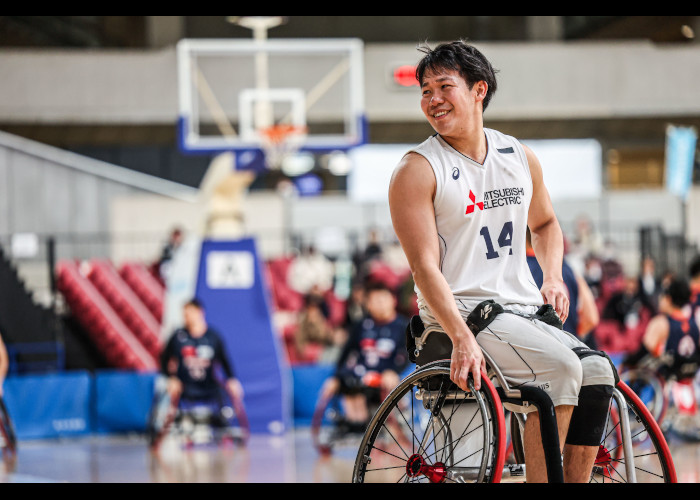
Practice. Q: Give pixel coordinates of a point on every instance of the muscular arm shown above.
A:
(655, 336)
(547, 240)
(166, 356)
(411, 193)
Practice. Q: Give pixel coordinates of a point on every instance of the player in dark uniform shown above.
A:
(673, 334)
(191, 356)
(583, 312)
(695, 288)
(373, 357)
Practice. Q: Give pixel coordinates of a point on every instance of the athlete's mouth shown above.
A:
(441, 114)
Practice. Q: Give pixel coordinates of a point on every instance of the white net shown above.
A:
(281, 141)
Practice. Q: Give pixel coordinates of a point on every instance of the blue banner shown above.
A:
(680, 158)
(231, 287)
(47, 406)
(122, 401)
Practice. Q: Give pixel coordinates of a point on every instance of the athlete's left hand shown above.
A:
(554, 292)
(390, 379)
(235, 388)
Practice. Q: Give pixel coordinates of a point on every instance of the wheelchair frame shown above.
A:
(492, 468)
(173, 411)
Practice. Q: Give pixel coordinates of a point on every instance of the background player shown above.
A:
(673, 334)
(191, 355)
(373, 357)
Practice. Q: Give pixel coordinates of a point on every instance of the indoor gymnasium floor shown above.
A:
(287, 459)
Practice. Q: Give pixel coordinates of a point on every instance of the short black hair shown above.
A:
(195, 302)
(471, 64)
(376, 285)
(678, 291)
(695, 267)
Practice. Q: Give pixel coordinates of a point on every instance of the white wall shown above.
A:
(536, 80)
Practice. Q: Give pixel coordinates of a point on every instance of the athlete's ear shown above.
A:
(481, 88)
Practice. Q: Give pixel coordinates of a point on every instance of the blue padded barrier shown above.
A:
(122, 401)
(47, 406)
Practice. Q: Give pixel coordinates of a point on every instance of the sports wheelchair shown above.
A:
(8, 438)
(330, 431)
(429, 430)
(668, 390)
(220, 420)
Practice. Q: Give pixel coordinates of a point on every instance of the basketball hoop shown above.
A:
(280, 141)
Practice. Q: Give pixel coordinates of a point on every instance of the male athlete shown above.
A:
(372, 358)
(191, 356)
(460, 204)
(673, 334)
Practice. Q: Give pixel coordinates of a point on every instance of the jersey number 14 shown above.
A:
(505, 239)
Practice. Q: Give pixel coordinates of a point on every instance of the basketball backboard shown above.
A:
(232, 90)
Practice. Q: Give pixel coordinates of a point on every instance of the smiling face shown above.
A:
(448, 103)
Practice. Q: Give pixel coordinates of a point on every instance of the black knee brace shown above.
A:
(588, 418)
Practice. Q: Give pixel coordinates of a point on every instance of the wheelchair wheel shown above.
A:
(7, 432)
(326, 420)
(650, 389)
(645, 458)
(161, 416)
(428, 430)
(235, 417)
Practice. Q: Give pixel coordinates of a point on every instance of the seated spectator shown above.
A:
(311, 271)
(649, 286)
(173, 244)
(314, 330)
(355, 310)
(372, 359)
(625, 306)
(331, 352)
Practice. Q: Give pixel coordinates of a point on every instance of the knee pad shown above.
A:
(588, 418)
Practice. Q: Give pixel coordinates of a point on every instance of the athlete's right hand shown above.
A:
(174, 387)
(466, 358)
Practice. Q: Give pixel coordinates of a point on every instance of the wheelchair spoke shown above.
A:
(641, 469)
(395, 440)
(384, 451)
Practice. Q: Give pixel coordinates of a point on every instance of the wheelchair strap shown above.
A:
(482, 315)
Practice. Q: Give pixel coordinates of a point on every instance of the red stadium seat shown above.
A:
(149, 289)
(126, 304)
(107, 331)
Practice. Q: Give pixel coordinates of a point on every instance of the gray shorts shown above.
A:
(529, 353)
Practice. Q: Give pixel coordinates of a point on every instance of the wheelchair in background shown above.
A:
(429, 430)
(669, 392)
(221, 420)
(330, 430)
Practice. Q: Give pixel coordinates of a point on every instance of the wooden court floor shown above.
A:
(266, 459)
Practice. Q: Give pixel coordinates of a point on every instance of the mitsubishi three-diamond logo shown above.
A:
(470, 208)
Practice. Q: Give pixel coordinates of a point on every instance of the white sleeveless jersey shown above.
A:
(481, 215)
